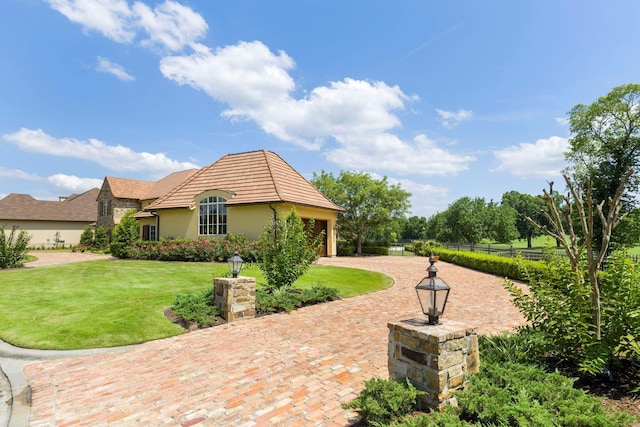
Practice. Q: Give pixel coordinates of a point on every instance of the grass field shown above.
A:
(110, 303)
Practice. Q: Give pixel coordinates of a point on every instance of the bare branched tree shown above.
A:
(561, 227)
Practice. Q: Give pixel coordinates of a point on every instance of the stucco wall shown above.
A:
(248, 220)
(43, 232)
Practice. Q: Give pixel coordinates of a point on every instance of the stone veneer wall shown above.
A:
(235, 297)
(435, 358)
(118, 208)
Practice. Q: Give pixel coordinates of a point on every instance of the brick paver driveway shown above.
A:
(286, 369)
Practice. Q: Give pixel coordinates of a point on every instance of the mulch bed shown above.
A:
(615, 391)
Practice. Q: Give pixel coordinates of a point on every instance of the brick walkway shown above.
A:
(286, 369)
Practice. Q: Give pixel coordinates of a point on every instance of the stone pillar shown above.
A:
(235, 297)
(435, 358)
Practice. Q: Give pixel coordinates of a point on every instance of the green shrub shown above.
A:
(317, 294)
(14, 248)
(559, 306)
(288, 299)
(196, 307)
(524, 346)
(375, 250)
(124, 234)
(514, 394)
(214, 250)
(383, 401)
(86, 238)
(513, 268)
(101, 238)
(274, 302)
(426, 247)
(435, 419)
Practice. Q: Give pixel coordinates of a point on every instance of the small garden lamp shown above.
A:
(235, 264)
(432, 294)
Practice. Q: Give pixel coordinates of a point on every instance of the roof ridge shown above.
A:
(273, 178)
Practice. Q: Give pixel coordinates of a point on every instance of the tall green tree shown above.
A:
(466, 218)
(414, 228)
(287, 249)
(525, 205)
(500, 222)
(438, 228)
(370, 204)
(604, 144)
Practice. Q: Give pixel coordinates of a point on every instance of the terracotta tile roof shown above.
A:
(77, 207)
(254, 177)
(124, 188)
(168, 183)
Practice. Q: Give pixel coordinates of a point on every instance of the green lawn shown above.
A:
(110, 303)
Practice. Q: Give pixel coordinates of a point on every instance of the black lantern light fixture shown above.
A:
(235, 264)
(432, 293)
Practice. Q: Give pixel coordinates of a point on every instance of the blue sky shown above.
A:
(448, 98)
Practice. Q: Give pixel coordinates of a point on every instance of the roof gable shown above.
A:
(168, 183)
(254, 177)
(124, 188)
(80, 207)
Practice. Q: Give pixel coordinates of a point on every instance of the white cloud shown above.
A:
(451, 119)
(170, 25)
(115, 157)
(426, 199)
(543, 159)
(562, 121)
(113, 18)
(74, 183)
(389, 153)
(17, 173)
(106, 66)
(254, 83)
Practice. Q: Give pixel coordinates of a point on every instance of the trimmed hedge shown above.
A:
(214, 250)
(375, 250)
(513, 268)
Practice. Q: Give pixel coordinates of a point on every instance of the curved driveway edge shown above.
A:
(285, 369)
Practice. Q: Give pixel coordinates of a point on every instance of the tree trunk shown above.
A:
(529, 241)
(595, 301)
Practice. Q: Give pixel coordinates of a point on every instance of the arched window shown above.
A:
(213, 216)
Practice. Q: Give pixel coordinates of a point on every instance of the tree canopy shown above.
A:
(525, 205)
(370, 204)
(473, 219)
(605, 143)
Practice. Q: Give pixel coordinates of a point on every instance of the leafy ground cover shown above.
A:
(111, 303)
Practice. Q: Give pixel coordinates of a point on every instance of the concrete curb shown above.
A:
(6, 399)
(15, 392)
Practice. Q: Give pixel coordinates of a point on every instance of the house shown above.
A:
(238, 194)
(50, 223)
(119, 195)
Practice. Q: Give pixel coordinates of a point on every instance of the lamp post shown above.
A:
(235, 264)
(432, 293)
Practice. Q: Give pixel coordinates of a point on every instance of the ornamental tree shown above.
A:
(370, 204)
(287, 248)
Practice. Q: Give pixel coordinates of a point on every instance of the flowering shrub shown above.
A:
(216, 250)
